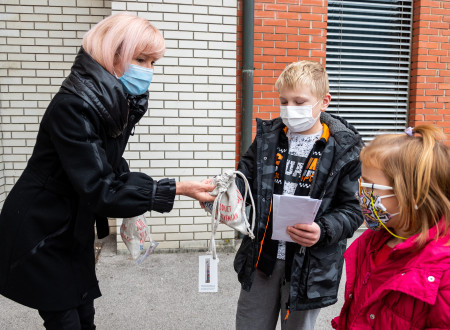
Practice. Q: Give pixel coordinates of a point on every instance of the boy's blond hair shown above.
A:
(307, 73)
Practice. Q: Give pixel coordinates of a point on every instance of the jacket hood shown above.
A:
(100, 89)
(344, 132)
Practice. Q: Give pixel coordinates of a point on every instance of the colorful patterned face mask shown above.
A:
(374, 212)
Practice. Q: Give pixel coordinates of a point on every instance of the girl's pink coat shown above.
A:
(416, 293)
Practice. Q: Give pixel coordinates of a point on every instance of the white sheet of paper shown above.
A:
(289, 210)
(208, 274)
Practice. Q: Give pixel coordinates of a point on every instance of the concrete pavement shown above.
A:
(162, 293)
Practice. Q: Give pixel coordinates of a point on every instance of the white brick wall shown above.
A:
(38, 44)
(188, 132)
(189, 110)
(3, 104)
(2, 165)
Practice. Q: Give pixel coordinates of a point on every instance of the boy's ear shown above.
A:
(325, 102)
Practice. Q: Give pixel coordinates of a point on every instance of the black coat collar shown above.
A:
(101, 90)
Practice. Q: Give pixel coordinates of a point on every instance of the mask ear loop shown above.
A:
(376, 214)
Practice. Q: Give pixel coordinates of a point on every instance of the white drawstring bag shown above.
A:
(134, 232)
(229, 206)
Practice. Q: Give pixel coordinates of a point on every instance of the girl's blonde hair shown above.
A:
(307, 73)
(117, 39)
(418, 168)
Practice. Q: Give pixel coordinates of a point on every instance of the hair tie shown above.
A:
(409, 131)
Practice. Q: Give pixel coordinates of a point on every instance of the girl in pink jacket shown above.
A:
(398, 273)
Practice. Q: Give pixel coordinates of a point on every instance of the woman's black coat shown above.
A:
(75, 176)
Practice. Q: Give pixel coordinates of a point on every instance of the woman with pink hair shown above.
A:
(76, 176)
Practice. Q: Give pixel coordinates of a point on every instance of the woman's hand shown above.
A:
(304, 234)
(197, 190)
(208, 181)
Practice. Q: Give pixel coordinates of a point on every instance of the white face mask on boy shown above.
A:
(298, 118)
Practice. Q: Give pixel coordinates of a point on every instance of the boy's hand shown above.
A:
(304, 234)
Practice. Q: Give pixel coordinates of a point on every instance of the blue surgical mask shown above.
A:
(136, 80)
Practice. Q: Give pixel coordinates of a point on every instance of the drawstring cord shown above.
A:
(385, 227)
(222, 183)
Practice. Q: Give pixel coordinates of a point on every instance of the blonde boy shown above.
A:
(304, 152)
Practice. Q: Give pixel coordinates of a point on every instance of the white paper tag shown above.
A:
(286, 213)
(208, 274)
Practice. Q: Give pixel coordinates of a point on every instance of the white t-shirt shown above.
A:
(299, 148)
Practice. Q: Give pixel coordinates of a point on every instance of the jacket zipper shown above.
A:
(302, 250)
(264, 236)
(366, 278)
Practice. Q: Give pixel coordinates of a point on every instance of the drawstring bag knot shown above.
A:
(229, 206)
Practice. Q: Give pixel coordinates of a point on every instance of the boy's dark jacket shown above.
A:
(316, 273)
(75, 176)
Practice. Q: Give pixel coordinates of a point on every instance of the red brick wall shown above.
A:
(291, 30)
(430, 70)
(286, 31)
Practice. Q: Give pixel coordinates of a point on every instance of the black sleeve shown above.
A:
(123, 167)
(74, 131)
(345, 215)
(246, 166)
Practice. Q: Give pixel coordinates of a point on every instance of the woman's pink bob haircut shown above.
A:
(119, 38)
